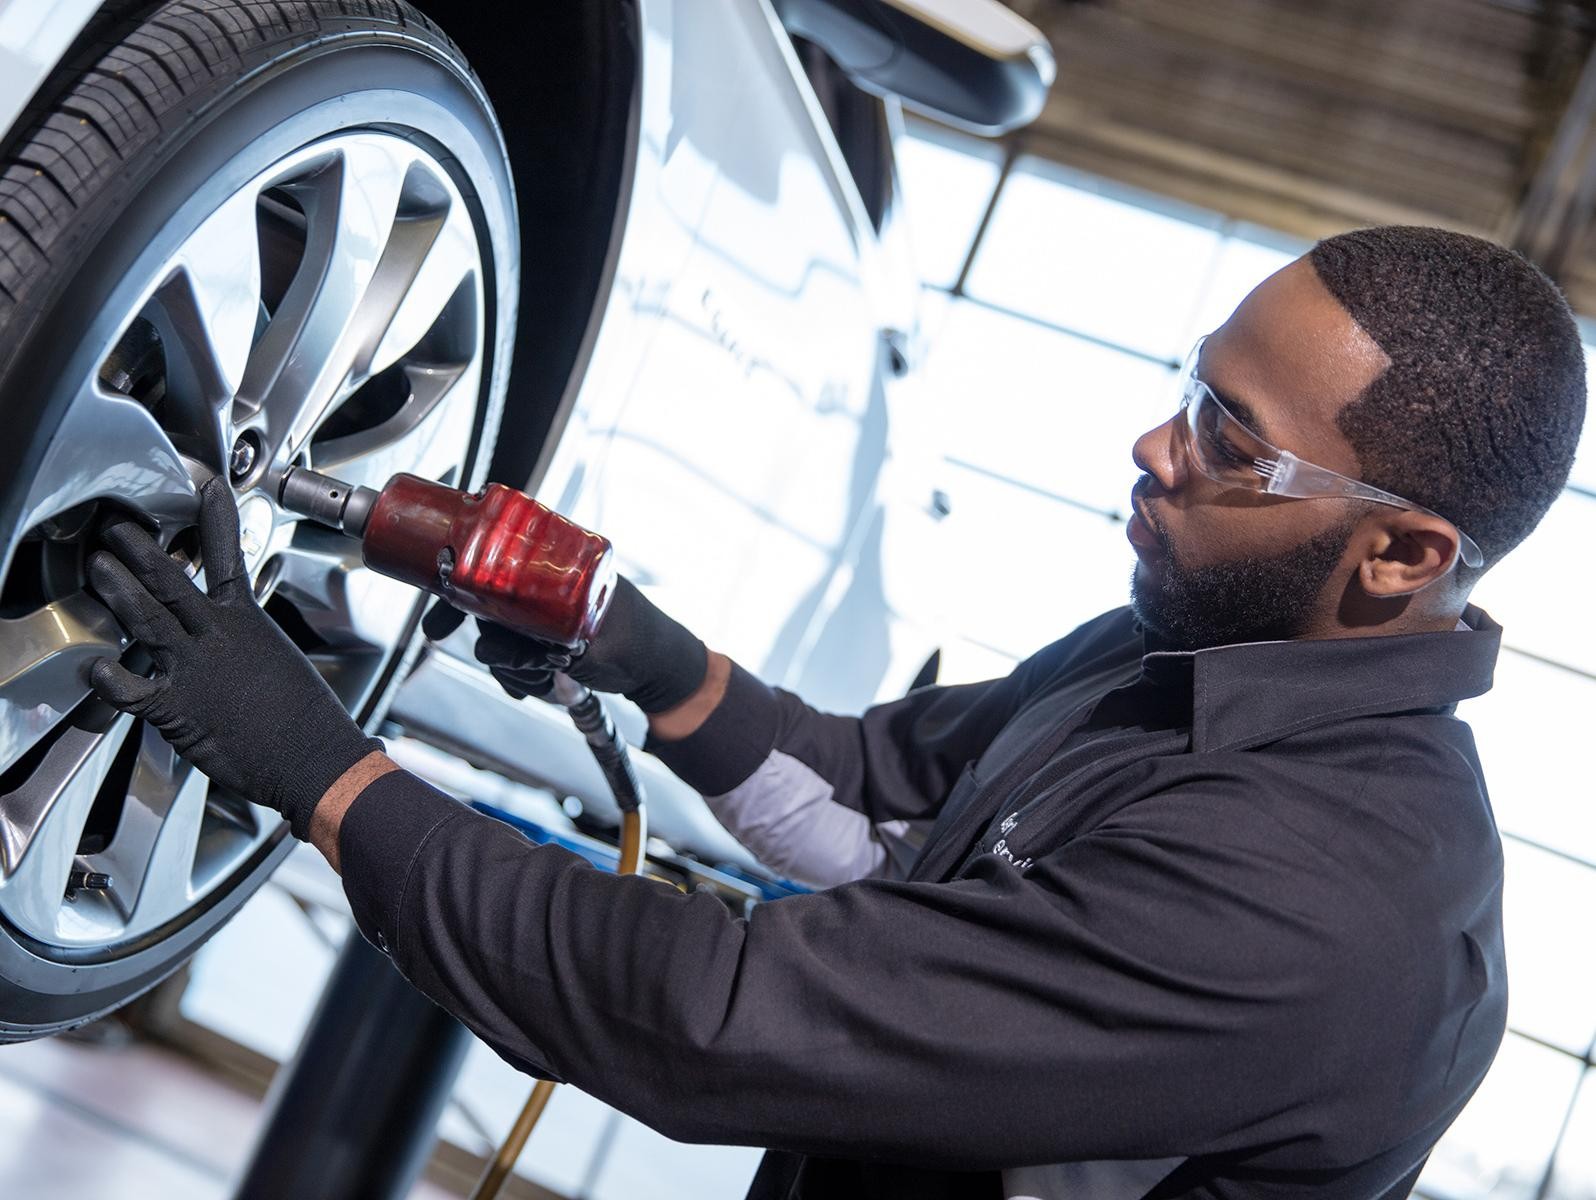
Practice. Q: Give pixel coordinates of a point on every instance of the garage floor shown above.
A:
(136, 1122)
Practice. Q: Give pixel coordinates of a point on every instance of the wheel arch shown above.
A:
(565, 80)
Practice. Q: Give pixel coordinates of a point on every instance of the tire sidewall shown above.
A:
(344, 82)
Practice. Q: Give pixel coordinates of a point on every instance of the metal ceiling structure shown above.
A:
(1314, 116)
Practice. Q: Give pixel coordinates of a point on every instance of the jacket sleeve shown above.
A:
(1142, 991)
(823, 798)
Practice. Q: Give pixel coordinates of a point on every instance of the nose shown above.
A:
(1158, 453)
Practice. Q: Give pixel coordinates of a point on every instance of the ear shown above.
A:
(1405, 552)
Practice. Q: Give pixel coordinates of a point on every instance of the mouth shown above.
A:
(1141, 532)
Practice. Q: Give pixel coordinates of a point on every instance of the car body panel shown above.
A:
(34, 34)
(731, 431)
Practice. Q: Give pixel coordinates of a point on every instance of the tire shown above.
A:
(167, 127)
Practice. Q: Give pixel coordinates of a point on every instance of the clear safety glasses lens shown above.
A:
(1221, 447)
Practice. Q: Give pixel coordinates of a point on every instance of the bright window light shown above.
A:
(947, 184)
(967, 661)
(1061, 250)
(1043, 408)
(1549, 918)
(1497, 1148)
(1063, 566)
(1532, 730)
(1239, 267)
(1575, 1176)
(1537, 617)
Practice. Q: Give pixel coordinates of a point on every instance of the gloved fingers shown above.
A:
(222, 559)
(118, 686)
(441, 620)
(141, 614)
(499, 646)
(521, 684)
(159, 574)
(508, 682)
(523, 666)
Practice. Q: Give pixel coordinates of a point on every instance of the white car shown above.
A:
(665, 287)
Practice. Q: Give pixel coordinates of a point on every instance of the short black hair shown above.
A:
(1478, 415)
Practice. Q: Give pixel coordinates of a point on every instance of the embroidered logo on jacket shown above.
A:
(1001, 848)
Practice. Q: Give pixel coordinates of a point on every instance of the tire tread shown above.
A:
(86, 117)
(118, 98)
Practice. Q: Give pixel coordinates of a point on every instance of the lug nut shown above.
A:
(86, 881)
(242, 460)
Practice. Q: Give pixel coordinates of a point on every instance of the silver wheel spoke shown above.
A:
(44, 658)
(151, 859)
(304, 360)
(44, 821)
(110, 447)
(345, 603)
(427, 437)
(207, 313)
(429, 255)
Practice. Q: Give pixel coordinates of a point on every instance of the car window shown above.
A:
(859, 122)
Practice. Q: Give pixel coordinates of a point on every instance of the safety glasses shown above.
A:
(1226, 451)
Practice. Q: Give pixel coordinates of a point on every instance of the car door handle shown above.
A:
(896, 344)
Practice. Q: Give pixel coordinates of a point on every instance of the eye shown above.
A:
(1224, 452)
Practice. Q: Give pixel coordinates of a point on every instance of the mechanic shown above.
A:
(1202, 899)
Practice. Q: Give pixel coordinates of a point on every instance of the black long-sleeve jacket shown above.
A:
(1128, 921)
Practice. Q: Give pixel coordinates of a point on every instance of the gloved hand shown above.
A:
(231, 693)
(638, 651)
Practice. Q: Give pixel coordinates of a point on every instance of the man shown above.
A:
(1203, 899)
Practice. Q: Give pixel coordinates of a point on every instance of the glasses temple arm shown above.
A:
(1288, 475)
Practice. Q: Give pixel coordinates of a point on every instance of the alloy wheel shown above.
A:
(330, 312)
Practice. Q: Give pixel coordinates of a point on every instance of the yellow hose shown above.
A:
(634, 834)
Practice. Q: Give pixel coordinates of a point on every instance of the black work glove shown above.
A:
(638, 651)
(230, 692)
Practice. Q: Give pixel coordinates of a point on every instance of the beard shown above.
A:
(1248, 600)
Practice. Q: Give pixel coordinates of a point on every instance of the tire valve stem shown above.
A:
(86, 881)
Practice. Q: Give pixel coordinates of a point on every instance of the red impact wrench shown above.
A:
(498, 554)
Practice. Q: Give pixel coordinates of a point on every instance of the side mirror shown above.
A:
(969, 63)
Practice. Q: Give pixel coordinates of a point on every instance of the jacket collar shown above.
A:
(1250, 693)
